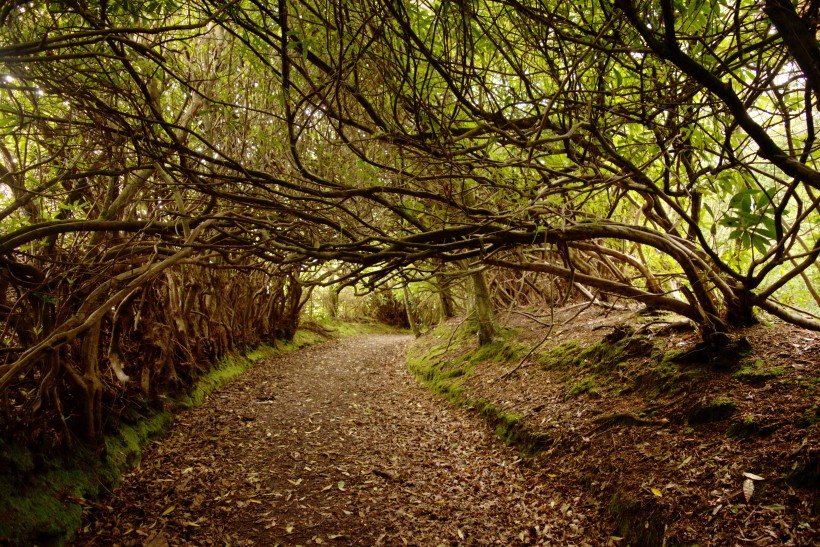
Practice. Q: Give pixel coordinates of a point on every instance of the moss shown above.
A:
(607, 355)
(38, 519)
(711, 411)
(15, 458)
(510, 428)
(262, 351)
(811, 385)
(563, 355)
(498, 351)
(751, 426)
(667, 373)
(446, 376)
(589, 369)
(441, 376)
(757, 372)
(585, 385)
(809, 418)
(38, 499)
(123, 449)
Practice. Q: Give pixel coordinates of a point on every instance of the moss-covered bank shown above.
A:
(445, 366)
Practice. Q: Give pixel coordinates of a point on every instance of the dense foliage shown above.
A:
(174, 171)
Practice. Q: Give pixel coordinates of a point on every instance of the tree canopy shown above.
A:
(208, 153)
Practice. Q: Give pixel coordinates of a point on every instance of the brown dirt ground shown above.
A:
(335, 444)
(641, 444)
(339, 444)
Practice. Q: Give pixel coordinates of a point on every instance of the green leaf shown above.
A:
(760, 244)
(742, 201)
(745, 240)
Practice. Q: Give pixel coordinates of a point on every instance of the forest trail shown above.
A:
(336, 444)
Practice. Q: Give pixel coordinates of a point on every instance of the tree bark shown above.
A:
(482, 307)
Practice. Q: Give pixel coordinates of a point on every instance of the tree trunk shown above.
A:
(483, 308)
(445, 294)
(411, 317)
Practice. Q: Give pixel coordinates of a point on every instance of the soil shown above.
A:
(339, 444)
(334, 444)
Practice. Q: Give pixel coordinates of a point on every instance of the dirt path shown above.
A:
(336, 444)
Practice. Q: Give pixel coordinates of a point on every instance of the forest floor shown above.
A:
(670, 445)
(339, 444)
(334, 444)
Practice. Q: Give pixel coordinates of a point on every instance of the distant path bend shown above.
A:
(334, 444)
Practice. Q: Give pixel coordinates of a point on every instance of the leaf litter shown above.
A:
(339, 444)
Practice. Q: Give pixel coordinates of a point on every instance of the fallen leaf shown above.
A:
(748, 489)
(753, 477)
(169, 510)
(289, 528)
(296, 482)
(341, 485)
(657, 492)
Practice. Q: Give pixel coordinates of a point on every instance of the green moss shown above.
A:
(809, 418)
(38, 519)
(665, 374)
(262, 351)
(560, 356)
(757, 372)
(441, 376)
(498, 351)
(670, 357)
(123, 449)
(15, 458)
(39, 499)
(811, 385)
(510, 428)
(750, 426)
(446, 376)
(584, 385)
(606, 355)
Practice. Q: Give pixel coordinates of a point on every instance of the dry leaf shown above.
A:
(169, 510)
(753, 477)
(748, 489)
(657, 492)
